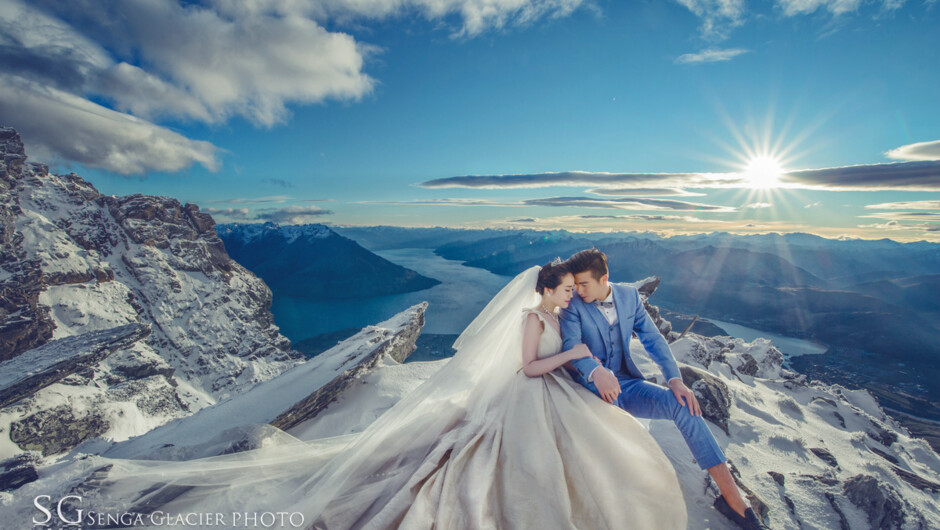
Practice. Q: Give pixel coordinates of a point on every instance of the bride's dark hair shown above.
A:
(550, 275)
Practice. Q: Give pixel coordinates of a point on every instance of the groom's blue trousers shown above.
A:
(643, 399)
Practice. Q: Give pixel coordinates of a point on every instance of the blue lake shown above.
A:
(452, 304)
(787, 345)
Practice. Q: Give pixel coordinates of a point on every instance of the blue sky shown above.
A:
(605, 115)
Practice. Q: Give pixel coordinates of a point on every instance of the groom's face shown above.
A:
(590, 288)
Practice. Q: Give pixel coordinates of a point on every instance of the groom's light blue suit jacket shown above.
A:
(585, 323)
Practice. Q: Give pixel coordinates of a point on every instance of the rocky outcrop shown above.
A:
(712, 394)
(878, 500)
(58, 429)
(397, 342)
(291, 399)
(74, 261)
(18, 470)
(52, 362)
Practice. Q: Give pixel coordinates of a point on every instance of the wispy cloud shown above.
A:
(918, 151)
(816, 204)
(627, 204)
(290, 215)
(58, 126)
(571, 202)
(474, 16)
(644, 192)
(905, 216)
(912, 176)
(644, 217)
(758, 205)
(908, 205)
(804, 7)
(710, 55)
(277, 182)
(585, 178)
(447, 202)
(718, 17)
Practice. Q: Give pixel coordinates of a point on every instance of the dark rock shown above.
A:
(884, 455)
(877, 499)
(712, 393)
(825, 400)
(50, 363)
(822, 479)
(839, 417)
(18, 470)
(749, 366)
(760, 507)
(778, 477)
(825, 456)
(55, 430)
(843, 522)
(915, 480)
(882, 434)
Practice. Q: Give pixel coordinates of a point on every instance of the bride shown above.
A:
(500, 437)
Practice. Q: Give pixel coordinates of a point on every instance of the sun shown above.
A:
(763, 172)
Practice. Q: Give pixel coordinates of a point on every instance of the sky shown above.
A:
(672, 116)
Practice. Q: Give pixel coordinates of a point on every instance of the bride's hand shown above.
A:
(580, 351)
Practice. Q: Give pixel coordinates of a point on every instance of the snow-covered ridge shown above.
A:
(253, 232)
(73, 261)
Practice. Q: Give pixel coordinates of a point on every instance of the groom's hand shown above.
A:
(685, 396)
(607, 385)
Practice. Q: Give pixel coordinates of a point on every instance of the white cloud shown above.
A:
(710, 55)
(804, 7)
(644, 192)
(55, 124)
(475, 16)
(290, 215)
(758, 205)
(813, 205)
(905, 216)
(208, 63)
(918, 151)
(586, 178)
(719, 17)
(908, 205)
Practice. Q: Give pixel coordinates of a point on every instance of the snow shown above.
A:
(252, 232)
(265, 401)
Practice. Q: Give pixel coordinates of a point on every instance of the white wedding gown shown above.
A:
(478, 445)
(553, 456)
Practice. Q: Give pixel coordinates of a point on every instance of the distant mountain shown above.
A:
(387, 237)
(313, 261)
(798, 285)
(916, 292)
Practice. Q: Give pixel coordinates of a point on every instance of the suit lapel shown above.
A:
(602, 326)
(623, 308)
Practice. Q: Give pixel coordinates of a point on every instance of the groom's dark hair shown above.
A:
(588, 260)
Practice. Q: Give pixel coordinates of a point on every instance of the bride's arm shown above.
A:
(534, 367)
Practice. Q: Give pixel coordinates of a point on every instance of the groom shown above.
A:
(604, 316)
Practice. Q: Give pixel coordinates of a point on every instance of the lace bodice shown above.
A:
(550, 341)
